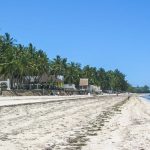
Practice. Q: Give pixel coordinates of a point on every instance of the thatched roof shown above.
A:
(46, 78)
(84, 82)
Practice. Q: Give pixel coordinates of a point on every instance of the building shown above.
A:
(83, 84)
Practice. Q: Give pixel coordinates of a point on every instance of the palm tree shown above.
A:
(91, 74)
(8, 62)
(117, 81)
(42, 63)
(103, 79)
(58, 66)
(18, 62)
(73, 73)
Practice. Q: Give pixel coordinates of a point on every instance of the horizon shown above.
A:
(101, 34)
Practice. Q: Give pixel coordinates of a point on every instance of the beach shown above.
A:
(86, 123)
(127, 130)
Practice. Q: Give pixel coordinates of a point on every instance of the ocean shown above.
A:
(147, 96)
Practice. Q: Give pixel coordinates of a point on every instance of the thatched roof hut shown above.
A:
(50, 78)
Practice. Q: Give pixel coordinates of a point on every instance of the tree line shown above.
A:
(19, 61)
(139, 89)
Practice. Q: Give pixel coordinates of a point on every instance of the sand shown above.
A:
(21, 100)
(52, 124)
(90, 123)
(128, 130)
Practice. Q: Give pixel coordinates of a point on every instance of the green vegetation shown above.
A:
(18, 61)
(143, 89)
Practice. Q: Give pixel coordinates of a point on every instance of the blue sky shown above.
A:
(110, 34)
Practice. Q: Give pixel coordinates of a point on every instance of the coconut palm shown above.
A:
(73, 73)
(91, 74)
(18, 62)
(103, 79)
(58, 66)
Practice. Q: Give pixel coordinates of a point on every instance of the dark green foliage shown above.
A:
(142, 89)
(18, 61)
(117, 80)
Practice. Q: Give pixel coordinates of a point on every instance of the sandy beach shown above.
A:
(128, 130)
(87, 123)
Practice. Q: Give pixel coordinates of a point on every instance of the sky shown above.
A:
(110, 34)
